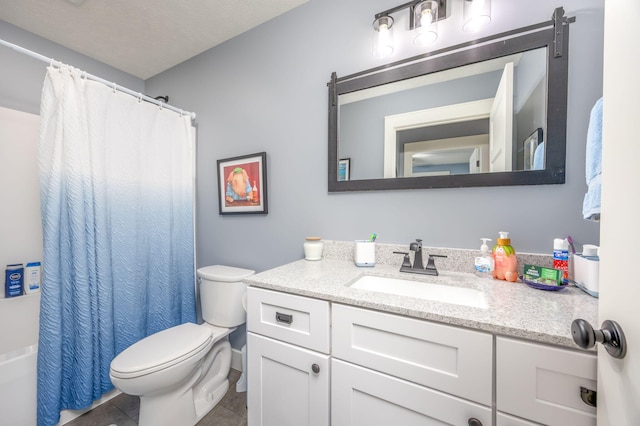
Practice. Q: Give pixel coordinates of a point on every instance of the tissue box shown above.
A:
(364, 253)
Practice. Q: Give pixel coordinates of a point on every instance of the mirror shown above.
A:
(481, 115)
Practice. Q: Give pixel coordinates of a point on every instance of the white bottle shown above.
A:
(484, 264)
(32, 278)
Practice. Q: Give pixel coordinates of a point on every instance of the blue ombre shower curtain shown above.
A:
(117, 180)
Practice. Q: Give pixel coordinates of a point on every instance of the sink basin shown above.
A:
(436, 292)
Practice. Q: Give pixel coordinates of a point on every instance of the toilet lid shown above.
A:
(224, 273)
(162, 350)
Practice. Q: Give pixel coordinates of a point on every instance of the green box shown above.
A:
(542, 275)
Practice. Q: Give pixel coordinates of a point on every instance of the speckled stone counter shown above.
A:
(511, 309)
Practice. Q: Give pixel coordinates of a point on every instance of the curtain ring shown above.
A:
(181, 114)
(114, 87)
(139, 97)
(83, 75)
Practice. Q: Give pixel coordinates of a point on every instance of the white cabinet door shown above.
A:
(283, 388)
(543, 383)
(363, 397)
(451, 359)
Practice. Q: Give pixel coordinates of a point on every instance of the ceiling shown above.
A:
(141, 37)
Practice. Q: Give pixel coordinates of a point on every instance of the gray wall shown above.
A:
(265, 90)
(21, 76)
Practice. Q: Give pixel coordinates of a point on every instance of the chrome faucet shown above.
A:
(418, 267)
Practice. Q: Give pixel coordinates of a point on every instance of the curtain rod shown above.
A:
(113, 85)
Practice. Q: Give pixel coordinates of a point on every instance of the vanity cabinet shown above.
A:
(311, 362)
(287, 359)
(390, 369)
(543, 384)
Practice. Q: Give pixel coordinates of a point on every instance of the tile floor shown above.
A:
(123, 410)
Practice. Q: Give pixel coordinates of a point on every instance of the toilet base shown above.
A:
(196, 397)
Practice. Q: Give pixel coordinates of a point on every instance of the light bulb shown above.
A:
(426, 17)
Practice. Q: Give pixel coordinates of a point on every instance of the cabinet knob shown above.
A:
(315, 368)
(611, 336)
(474, 422)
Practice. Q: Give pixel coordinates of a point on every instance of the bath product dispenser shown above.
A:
(484, 264)
(504, 257)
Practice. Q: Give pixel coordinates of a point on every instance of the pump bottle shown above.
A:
(484, 264)
(504, 256)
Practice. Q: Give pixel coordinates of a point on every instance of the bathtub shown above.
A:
(19, 321)
(18, 387)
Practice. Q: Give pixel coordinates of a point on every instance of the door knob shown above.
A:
(474, 422)
(315, 368)
(611, 336)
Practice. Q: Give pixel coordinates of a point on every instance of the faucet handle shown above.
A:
(431, 264)
(406, 262)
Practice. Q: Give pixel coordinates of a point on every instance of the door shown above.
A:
(619, 380)
(501, 124)
(287, 386)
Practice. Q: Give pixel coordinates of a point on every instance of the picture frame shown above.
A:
(344, 169)
(242, 184)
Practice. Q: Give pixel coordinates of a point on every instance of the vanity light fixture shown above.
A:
(477, 14)
(423, 21)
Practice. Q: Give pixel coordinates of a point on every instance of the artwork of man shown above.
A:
(238, 186)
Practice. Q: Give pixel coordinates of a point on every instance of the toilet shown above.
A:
(180, 373)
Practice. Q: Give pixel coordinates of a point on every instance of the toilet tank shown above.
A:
(221, 294)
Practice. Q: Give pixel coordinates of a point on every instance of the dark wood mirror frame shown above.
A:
(533, 37)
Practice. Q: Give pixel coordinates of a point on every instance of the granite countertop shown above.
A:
(512, 309)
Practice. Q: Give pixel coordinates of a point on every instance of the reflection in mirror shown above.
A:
(439, 124)
(485, 115)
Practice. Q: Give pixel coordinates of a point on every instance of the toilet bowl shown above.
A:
(180, 373)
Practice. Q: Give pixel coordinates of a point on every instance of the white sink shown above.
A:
(436, 292)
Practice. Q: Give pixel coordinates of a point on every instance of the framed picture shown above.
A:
(344, 169)
(530, 145)
(242, 184)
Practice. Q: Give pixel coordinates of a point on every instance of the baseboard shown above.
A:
(236, 359)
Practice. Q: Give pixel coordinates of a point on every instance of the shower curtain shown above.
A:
(117, 177)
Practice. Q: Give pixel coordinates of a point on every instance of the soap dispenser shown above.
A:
(504, 257)
(484, 264)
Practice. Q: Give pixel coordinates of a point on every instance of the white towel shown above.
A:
(538, 157)
(593, 169)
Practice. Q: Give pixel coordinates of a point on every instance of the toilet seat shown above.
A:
(162, 350)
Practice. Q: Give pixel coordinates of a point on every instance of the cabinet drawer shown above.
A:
(294, 319)
(360, 396)
(542, 383)
(450, 359)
